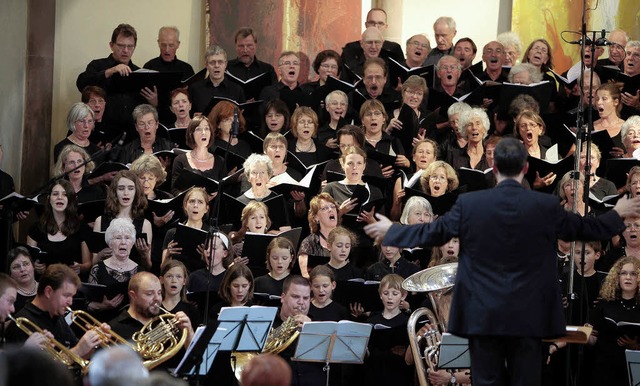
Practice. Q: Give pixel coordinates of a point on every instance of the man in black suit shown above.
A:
(507, 296)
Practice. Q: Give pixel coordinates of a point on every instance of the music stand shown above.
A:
(237, 329)
(333, 342)
(454, 352)
(633, 366)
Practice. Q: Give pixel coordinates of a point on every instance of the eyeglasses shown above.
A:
(329, 66)
(451, 67)
(127, 46)
(289, 63)
(258, 174)
(418, 44)
(148, 178)
(327, 208)
(532, 125)
(635, 55)
(344, 146)
(17, 266)
(303, 122)
(149, 124)
(629, 273)
(438, 178)
(374, 113)
(276, 147)
(416, 93)
(542, 50)
(632, 226)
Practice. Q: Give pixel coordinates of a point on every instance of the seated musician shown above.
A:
(145, 300)
(57, 287)
(296, 299)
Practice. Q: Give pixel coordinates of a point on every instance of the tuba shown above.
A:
(56, 349)
(160, 339)
(438, 283)
(278, 340)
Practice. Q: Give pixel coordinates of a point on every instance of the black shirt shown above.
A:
(238, 69)
(203, 91)
(290, 97)
(131, 151)
(56, 325)
(176, 65)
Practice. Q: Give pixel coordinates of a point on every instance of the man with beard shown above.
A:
(493, 56)
(145, 299)
(246, 65)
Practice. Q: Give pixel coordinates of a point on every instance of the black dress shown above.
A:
(383, 367)
(101, 274)
(67, 251)
(180, 163)
(610, 364)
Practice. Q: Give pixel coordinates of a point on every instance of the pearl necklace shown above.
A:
(32, 292)
(307, 150)
(193, 156)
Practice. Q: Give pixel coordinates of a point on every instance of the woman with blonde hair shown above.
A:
(620, 302)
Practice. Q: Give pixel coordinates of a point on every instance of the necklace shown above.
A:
(193, 156)
(31, 292)
(626, 306)
(307, 150)
(372, 140)
(120, 265)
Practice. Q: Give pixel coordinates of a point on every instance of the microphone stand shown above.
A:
(214, 221)
(583, 137)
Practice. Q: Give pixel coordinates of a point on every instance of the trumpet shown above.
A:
(160, 339)
(56, 349)
(87, 322)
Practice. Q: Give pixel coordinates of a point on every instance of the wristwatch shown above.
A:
(453, 380)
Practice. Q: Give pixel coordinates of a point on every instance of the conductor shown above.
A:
(506, 297)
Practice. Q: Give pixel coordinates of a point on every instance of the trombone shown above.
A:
(56, 349)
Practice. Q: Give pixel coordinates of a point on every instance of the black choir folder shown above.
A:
(398, 70)
(189, 239)
(385, 337)
(618, 168)
(255, 245)
(629, 329)
(163, 206)
(96, 292)
(139, 79)
(17, 202)
(358, 291)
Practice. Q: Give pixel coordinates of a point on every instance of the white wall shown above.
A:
(83, 32)
(13, 25)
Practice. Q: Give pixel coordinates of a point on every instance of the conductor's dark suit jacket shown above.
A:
(507, 282)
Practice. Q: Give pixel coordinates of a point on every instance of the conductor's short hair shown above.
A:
(510, 157)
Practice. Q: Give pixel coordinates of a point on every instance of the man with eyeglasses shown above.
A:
(619, 38)
(376, 18)
(101, 72)
(216, 85)
(444, 30)
(146, 122)
(418, 47)
(288, 88)
(371, 45)
(631, 62)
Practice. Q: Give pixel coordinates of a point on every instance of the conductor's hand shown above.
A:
(378, 230)
(628, 207)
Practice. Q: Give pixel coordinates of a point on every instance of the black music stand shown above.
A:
(633, 366)
(333, 342)
(454, 352)
(237, 329)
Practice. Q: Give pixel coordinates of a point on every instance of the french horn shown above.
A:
(278, 340)
(160, 339)
(438, 283)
